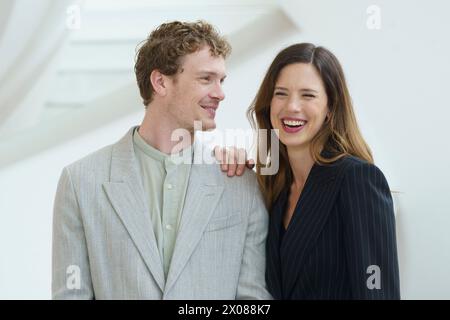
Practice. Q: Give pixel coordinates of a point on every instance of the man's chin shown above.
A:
(210, 125)
(206, 125)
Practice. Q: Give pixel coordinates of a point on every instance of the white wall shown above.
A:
(398, 77)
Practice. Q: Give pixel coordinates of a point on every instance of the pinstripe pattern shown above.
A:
(342, 224)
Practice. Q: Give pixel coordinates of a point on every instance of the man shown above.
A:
(132, 223)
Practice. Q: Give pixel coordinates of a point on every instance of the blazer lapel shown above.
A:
(273, 271)
(126, 194)
(310, 216)
(202, 196)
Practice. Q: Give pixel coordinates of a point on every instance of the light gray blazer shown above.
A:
(104, 246)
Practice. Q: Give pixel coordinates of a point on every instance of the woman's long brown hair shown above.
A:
(339, 135)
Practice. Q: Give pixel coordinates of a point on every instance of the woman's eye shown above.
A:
(280, 93)
(309, 95)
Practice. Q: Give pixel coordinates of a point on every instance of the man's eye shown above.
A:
(206, 78)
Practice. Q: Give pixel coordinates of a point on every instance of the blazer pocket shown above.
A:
(224, 222)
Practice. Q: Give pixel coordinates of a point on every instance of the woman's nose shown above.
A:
(294, 105)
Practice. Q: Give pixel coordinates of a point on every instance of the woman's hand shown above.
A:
(233, 160)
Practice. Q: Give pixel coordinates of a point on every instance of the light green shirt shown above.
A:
(165, 184)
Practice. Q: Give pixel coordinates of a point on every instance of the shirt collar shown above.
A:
(185, 156)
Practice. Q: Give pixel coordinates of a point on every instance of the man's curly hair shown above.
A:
(168, 44)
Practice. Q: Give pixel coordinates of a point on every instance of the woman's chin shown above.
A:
(294, 143)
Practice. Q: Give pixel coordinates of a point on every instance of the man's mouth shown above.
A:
(210, 109)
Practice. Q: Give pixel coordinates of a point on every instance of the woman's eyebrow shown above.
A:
(309, 90)
(302, 89)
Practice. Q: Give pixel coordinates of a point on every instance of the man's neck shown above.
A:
(157, 130)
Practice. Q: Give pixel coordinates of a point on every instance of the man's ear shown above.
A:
(158, 81)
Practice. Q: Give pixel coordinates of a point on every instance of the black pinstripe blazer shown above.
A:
(342, 225)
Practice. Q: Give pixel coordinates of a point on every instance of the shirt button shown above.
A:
(169, 227)
(169, 186)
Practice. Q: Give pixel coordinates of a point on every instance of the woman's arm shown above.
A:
(233, 160)
(369, 230)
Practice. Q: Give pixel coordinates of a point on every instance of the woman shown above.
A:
(332, 227)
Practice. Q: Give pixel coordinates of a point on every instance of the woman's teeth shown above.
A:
(294, 123)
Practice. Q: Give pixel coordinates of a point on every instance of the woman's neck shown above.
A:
(301, 162)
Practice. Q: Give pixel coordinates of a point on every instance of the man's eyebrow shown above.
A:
(211, 73)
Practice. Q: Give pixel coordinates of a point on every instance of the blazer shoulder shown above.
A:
(247, 179)
(352, 161)
(93, 163)
(362, 176)
(360, 169)
(237, 187)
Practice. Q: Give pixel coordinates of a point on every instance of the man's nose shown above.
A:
(218, 93)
